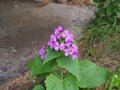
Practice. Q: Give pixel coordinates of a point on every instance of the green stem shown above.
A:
(57, 74)
(106, 85)
(88, 89)
(61, 71)
(111, 83)
(114, 24)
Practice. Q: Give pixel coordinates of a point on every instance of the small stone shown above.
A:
(15, 6)
(12, 47)
(3, 64)
(14, 50)
(32, 42)
(0, 71)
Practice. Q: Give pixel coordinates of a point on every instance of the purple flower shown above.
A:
(68, 44)
(53, 45)
(72, 50)
(53, 37)
(65, 33)
(50, 43)
(74, 46)
(69, 38)
(75, 55)
(60, 28)
(42, 52)
(63, 40)
(66, 52)
(56, 46)
(58, 36)
(62, 46)
(58, 32)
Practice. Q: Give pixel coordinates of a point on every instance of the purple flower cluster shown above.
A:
(63, 40)
(42, 52)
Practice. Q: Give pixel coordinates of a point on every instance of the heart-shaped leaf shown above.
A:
(36, 66)
(71, 65)
(92, 75)
(51, 55)
(68, 83)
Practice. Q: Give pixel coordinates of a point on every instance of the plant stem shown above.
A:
(61, 71)
(111, 83)
(88, 89)
(57, 74)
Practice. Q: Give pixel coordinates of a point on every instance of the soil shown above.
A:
(24, 28)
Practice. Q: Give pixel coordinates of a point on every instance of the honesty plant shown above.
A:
(57, 64)
(61, 40)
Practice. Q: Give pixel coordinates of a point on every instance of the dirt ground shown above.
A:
(24, 28)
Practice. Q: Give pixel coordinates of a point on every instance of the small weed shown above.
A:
(105, 28)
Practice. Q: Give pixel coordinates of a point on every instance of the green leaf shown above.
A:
(30, 64)
(118, 1)
(51, 55)
(100, 12)
(101, 6)
(99, 1)
(110, 19)
(36, 66)
(43, 76)
(54, 83)
(110, 9)
(116, 81)
(92, 75)
(50, 66)
(100, 21)
(118, 14)
(38, 87)
(70, 83)
(71, 65)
